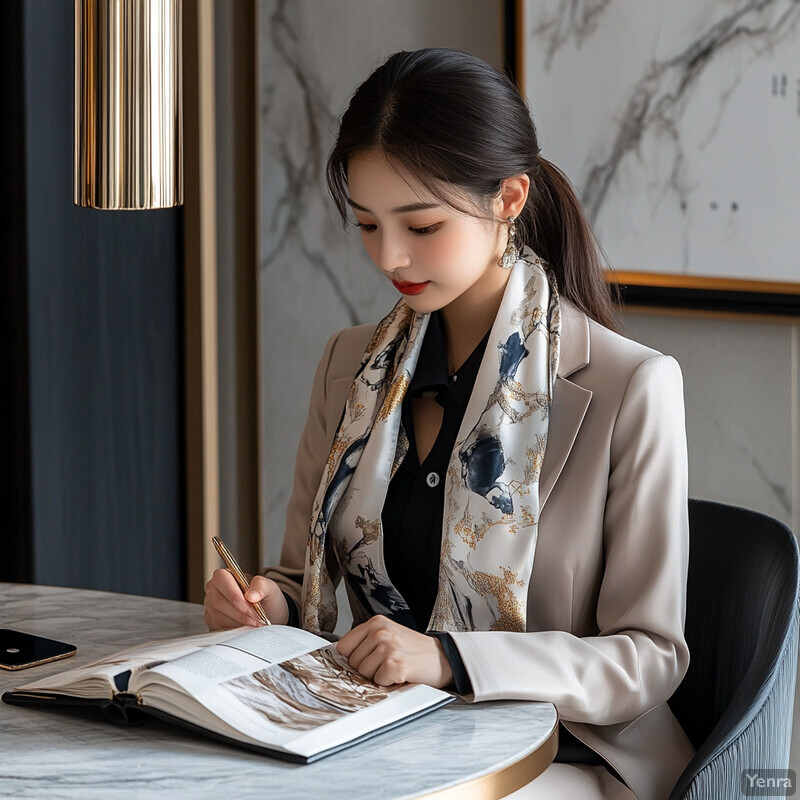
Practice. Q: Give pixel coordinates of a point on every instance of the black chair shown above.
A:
(737, 698)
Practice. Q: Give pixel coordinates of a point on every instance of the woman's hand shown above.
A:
(227, 607)
(387, 653)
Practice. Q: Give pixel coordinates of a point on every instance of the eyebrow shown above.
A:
(400, 209)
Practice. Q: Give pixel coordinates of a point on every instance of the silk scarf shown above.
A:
(492, 483)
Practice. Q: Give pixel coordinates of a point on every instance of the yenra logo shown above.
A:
(757, 782)
(768, 783)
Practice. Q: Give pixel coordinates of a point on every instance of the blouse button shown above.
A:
(432, 479)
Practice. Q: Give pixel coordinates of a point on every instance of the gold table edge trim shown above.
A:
(505, 780)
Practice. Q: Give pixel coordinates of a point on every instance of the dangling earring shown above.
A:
(511, 254)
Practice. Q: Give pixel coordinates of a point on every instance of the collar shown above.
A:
(431, 371)
(575, 350)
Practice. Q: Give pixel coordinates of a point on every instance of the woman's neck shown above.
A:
(468, 319)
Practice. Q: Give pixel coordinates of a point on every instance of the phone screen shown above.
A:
(19, 650)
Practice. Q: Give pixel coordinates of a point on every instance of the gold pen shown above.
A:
(236, 571)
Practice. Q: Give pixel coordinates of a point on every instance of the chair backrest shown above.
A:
(741, 627)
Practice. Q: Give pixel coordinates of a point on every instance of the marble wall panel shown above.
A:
(679, 123)
(739, 405)
(315, 279)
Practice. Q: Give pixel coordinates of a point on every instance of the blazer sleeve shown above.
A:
(312, 456)
(639, 655)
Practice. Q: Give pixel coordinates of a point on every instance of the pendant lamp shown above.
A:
(128, 104)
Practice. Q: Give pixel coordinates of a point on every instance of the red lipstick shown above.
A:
(405, 287)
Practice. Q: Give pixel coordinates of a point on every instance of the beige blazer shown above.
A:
(606, 602)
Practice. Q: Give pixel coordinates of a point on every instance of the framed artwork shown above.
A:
(679, 125)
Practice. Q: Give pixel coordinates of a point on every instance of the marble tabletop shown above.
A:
(55, 754)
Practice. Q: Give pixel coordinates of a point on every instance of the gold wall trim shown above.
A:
(246, 282)
(507, 779)
(200, 297)
(221, 286)
(519, 32)
(679, 281)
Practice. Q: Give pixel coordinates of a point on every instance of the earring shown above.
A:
(511, 254)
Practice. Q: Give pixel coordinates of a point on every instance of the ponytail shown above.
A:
(555, 227)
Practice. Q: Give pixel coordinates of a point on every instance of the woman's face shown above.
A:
(432, 254)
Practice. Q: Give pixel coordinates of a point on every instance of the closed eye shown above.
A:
(427, 229)
(367, 228)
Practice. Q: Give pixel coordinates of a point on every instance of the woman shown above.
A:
(499, 477)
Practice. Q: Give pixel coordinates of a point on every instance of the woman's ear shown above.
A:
(512, 197)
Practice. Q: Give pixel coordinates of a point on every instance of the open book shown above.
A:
(275, 689)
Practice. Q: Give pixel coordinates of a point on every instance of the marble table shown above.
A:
(462, 751)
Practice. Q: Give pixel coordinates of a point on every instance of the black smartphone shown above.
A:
(19, 650)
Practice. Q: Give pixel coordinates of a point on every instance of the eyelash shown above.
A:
(426, 231)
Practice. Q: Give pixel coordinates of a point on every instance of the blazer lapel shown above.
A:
(568, 410)
(570, 401)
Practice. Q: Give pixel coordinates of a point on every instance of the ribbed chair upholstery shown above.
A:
(737, 698)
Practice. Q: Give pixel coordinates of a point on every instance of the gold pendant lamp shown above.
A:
(128, 104)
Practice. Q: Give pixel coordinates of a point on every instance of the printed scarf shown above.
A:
(491, 493)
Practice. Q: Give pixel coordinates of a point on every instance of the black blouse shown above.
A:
(413, 510)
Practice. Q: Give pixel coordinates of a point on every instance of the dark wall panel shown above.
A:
(16, 559)
(104, 355)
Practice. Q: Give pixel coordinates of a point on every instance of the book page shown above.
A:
(275, 643)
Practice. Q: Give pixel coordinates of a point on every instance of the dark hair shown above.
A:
(460, 127)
